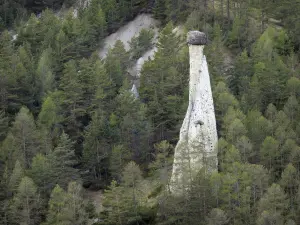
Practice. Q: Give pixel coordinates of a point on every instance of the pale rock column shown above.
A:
(134, 91)
(196, 147)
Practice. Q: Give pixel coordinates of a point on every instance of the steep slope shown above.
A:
(126, 33)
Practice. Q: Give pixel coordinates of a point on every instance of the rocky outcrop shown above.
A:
(134, 91)
(128, 31)
(196, 147)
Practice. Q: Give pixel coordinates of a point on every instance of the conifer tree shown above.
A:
(120, 156)
(272, 206)
(63, 160)
(16, 177)
(75, 210)
(43, 174)
(160, 10)
(48, 116)
(161, 166)
(3, 125)
(26, 203)
(25, 137)
(161, 82)
(217, 217)
(44, 72)
(116, 63)
(96, 148)
(117, 198)
(57, 204)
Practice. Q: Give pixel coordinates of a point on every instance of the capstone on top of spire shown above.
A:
(196, 38)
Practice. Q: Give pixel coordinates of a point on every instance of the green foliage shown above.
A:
(16, 176)
(116, 63)
(272, 206)
(159, 9)
(65, 113)
(44, 72)
(57, 203)
(48, 116)
(23, 138)
(217, 217)
(163, 80)
(25, 206)
(42, 173)
(163, 162)
(141, 43)
(63, 161)
(3, 125)
(66, 207)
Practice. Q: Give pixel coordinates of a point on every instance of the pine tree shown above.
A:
(117, 198)
(97, 19)
(48, 116)
(106, 89)
(66, 208)
(16, 177)
(116, 63)
(134, 127)
(43, 174)
(290, 182)
(217, 217)
(63, 160)
(57, 204)
(24, 88)
(96, 148)
(3, 125)
(244, 145)
(25, 137)
(111, 10)
(243, 70)
(26, 203)
(160, 10)
(291, 108)
(293, 85)
(161, 166)
(272, 206)
(72, 99)
(44, 72)
(6, 55)
(75, 208)
(120, 156)
(268, 152)
(162, 82)
(235, 130)
(131, 178)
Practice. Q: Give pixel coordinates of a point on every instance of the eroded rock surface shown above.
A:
(196, 147)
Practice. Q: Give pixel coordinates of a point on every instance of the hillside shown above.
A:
(78, 147)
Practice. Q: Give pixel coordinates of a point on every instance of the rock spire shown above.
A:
(196, 147)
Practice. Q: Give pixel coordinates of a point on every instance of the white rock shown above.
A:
(139, 66)
(198, 135)
(75, 13)
(128, 31)
(14, 37)
(134, 91)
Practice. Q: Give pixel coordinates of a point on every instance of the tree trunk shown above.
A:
(213, 9)
(262, 21)
(222, 12)
(228, 10)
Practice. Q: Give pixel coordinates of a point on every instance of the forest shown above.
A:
(70, 124)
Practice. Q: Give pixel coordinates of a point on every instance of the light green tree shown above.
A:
(25, 136)
(56, 206)
(217, 217)
(25, 206)
(16, 177)
(120, 156)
